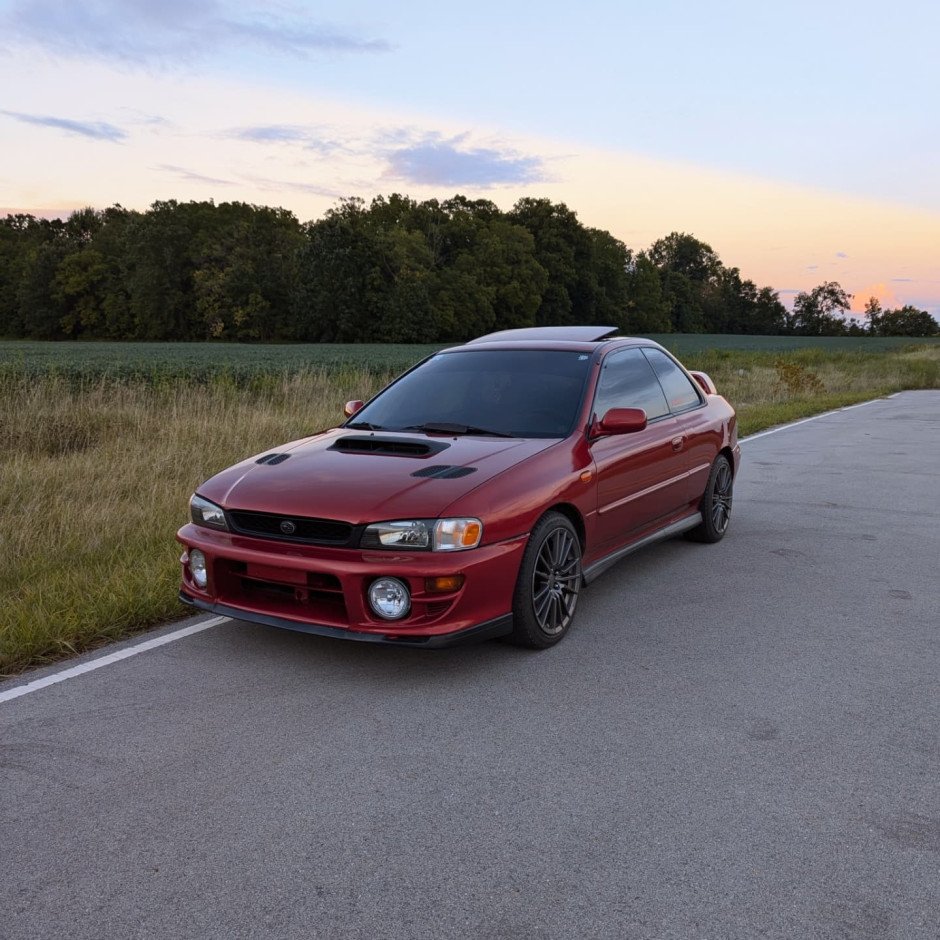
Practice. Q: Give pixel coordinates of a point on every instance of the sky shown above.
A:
(801, 140)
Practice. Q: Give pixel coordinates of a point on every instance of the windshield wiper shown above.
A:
(445, 427)
(366, 426)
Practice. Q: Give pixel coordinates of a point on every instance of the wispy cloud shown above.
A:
(437, 162)
(316, 139)
(172, 31)
(418, 157)
(841, 254)
(259, 182)
(96, 130)
(275, 133)
(313, 189)
(143, 118)
(193, 177)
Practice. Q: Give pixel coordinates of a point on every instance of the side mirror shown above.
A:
(351, 407)
(620, 421)
(707, 384)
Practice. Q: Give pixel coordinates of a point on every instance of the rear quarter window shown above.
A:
(680, 391)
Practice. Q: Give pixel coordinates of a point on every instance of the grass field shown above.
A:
(245, 365)
(101, 446)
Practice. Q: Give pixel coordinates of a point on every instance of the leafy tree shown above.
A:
(767, 315)
(159, 271)
(690, 273)
(738, 306)
(821, 311)
(563, 249)
(245, 269)
(485, 273)
(873, 316)
(41, 309)
(17, 234)
(686, 255)
(78, 286)
(646, 309)
(364, 278)
(607, 282)
(906, 321)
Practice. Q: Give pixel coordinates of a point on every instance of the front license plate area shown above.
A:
(278, 575)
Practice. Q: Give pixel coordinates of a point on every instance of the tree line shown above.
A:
(395, 270)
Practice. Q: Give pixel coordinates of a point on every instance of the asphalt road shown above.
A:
(736, 741)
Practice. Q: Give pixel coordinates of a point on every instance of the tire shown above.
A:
(716, 503)
(549, 584)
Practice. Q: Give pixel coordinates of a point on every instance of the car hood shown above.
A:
(361, 477)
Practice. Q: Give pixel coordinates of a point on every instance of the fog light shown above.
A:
(197, 567)
(389, 598)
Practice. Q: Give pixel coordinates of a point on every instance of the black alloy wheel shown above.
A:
(549, 583)
(716, 503)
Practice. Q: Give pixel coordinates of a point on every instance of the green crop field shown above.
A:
(157, 363)
(245, 365)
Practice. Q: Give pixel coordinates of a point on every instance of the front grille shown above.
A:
(312, 595)
(270, 526)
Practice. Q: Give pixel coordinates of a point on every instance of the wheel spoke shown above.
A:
(541, 601)
(553, 620)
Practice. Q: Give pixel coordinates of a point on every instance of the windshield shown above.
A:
(517, 393)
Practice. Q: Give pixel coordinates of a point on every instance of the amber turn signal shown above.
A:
(444, 584)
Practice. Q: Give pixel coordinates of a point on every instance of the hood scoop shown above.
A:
(272, 459)
(388, 446)
(444, 472)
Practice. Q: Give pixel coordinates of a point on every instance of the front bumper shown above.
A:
(321, 590)
(482, 631)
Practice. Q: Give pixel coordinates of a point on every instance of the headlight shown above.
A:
(438, 535)
(414, 533)
(205, 513)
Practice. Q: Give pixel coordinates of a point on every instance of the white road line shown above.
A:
(795, 424)
(125, 653)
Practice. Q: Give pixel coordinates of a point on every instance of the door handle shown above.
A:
(677, 443)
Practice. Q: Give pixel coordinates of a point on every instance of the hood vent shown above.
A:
(272, 458)
(444, 472)
(388, 446)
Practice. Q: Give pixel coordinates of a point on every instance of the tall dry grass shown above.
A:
(94, 483)
(773, 388)
(94, 480)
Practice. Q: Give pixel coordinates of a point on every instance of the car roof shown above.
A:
(539, 334)
(579, 338)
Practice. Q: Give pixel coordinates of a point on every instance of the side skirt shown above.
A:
(674, 528)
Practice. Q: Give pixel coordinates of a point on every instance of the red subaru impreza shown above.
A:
(473, 497)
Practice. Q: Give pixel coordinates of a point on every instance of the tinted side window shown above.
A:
(628, 381)
(681, 393)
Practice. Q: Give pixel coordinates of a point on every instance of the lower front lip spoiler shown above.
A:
(477, 633)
